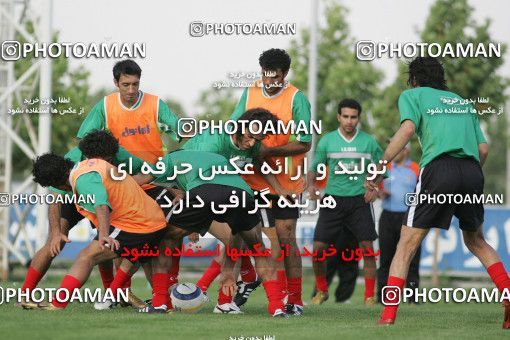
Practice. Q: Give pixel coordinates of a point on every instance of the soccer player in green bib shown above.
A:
(345, 150)
(453, 152)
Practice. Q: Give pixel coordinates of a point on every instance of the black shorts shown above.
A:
(269, 215)
(199, 219)
(71, 214)
(163, 197)
(447, 175)
(135, 240)
(352, 213)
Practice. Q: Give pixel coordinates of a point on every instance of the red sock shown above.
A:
(127, 283)
(499, 276)
(222, 298)
(369, 287)
(172, 279)
(106, 275)
(322, 283)
(120, 281)
(174, 270)
(209, 275)
(282, 278)
(390, 312)
(294, 286)
(160, 294)
(69, 283)
(274, 295)
(248, 273)
(32, 279)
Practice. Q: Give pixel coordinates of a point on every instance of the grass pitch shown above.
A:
(328, 321)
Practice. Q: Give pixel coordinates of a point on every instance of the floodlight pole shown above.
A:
(44, 118)
(312, 70)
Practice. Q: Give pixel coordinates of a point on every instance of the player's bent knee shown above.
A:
(271, 234)
(96, 253)
(319, 246)
(473, 240)
(367, 244)
(286, 226)
(251, 237)
(287, 237)
(176, 233)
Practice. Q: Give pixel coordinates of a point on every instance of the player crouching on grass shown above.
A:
(124, 215)
(245, 146)
(218, 191)
(63, 217)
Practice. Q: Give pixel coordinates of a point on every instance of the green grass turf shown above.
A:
(328, 321)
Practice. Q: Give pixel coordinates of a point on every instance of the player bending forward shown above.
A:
(124, 214)
(215, 193)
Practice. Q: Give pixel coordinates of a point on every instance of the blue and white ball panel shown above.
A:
(186, 291)
(187, 297)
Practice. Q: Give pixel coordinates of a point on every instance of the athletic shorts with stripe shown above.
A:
(199, 219)
(269, 215)
(136, 240)
(71, 214)
(162, 196)
(352, 213)
(128, 240)
(448, 175)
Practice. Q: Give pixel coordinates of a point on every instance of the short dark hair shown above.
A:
(99, 144)
(351, 104)
(427, 71)
(274, 59)
(262, 115)
(51, 170)
(127, 66)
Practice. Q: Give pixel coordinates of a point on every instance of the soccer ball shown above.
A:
(187, 298)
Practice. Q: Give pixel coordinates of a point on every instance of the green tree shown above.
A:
(66, 83)
(217, 104)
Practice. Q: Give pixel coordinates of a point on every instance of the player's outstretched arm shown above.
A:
(227, 280)
(399, 140)
(271, 179)
(311, 186)
(55, 232)
(103, 228)
(397, 143)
